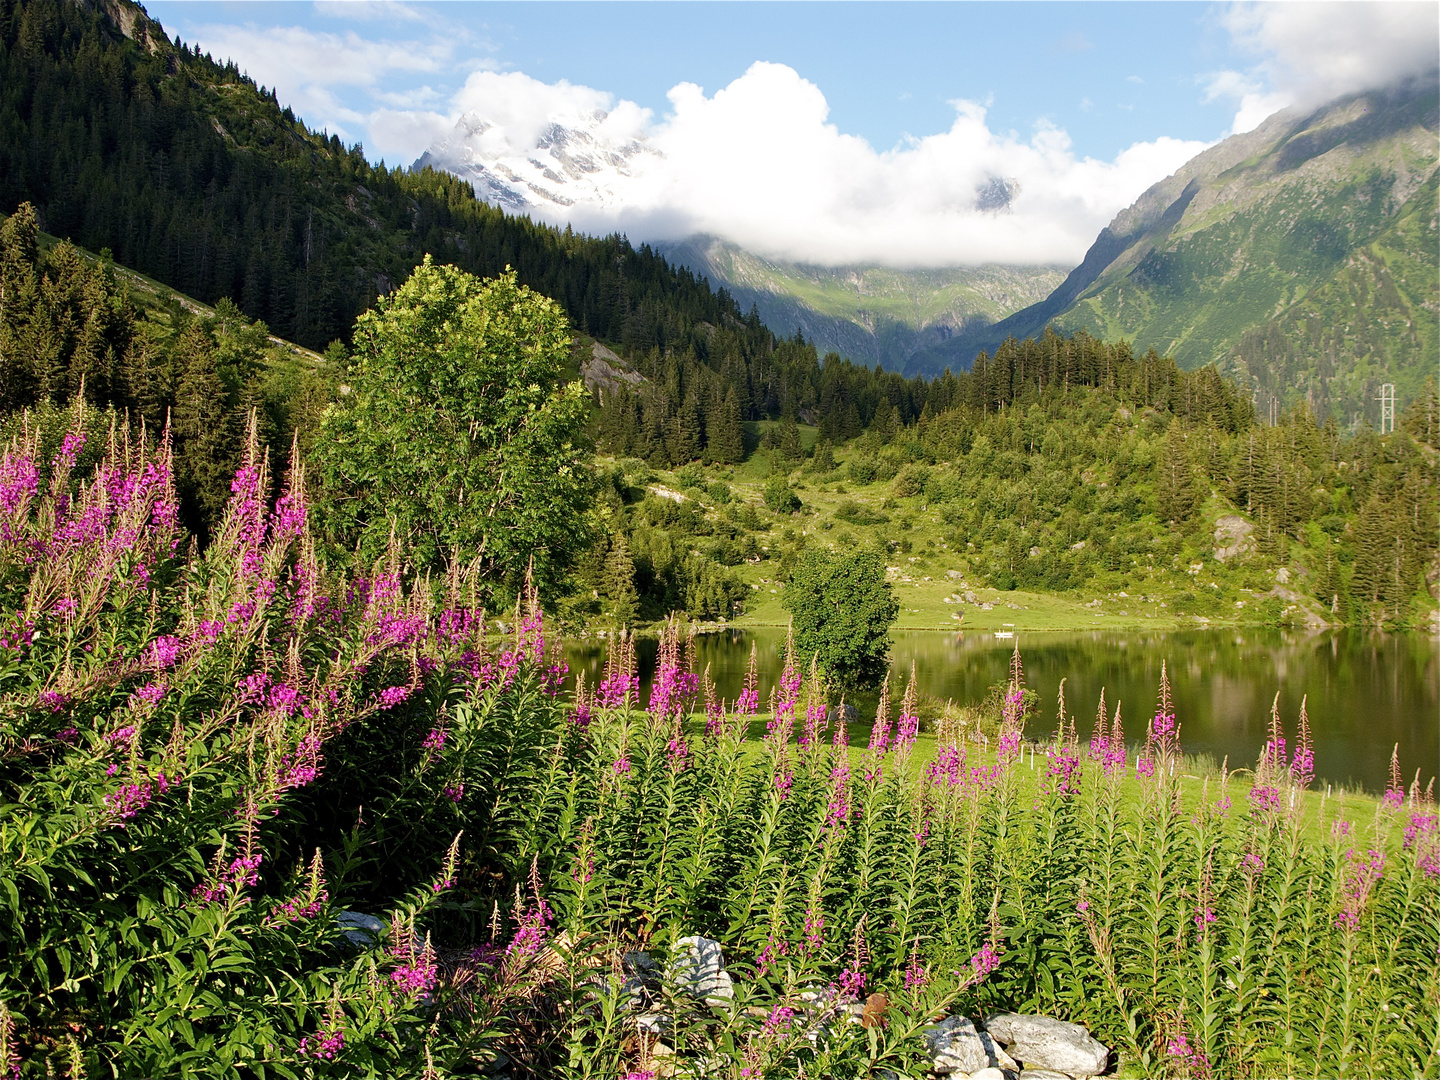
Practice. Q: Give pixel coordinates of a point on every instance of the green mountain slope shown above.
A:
(871, 314)
(1322, 209)
(1373, 321)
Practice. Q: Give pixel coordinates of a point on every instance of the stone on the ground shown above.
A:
(361, 929)
(642, 977)
(990, 1072)
(1046, 1043)
(958, 1046)
(698, 968)
(1043, 1074)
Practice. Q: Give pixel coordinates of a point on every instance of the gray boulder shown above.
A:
(698, 968)
(1042, 1042)
(361, 929)
(957, 1046)
(642, 977)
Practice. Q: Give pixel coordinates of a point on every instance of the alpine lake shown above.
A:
(1364, 692)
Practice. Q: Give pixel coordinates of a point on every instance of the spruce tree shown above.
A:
(727, 442)
(203, 427)
(620, 582)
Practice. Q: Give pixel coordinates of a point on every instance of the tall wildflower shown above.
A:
(815, 709)
(1162, 743)
(879, 738)
(1362, 874)
(1063, 755)
(1395, 791)
(837, 813)
(1302, 764)
(908, 725)
(1012, 716)
(748, 703)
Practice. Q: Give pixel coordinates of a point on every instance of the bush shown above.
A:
(854, 513)
(842, 610)
(779, 497)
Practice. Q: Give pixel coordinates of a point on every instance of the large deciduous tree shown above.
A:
(458, 431)
(843, 609)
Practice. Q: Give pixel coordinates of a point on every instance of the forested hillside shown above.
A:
(190, 173)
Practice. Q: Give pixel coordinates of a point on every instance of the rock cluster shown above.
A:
(1012, 1045)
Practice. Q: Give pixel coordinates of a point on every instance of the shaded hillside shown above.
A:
(191, 174)
(1253, 227)
(870, 314)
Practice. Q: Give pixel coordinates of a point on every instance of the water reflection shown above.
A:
(1366, 692)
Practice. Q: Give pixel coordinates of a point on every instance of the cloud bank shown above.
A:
(1308, 53)
(759, 163)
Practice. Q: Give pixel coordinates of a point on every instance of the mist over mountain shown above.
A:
(871, 314)
(1301, 257)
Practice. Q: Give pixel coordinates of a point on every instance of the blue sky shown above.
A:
(1112, 96)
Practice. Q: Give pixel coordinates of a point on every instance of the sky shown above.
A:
(828, 132)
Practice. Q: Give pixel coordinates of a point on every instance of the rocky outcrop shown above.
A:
(1042, 1042)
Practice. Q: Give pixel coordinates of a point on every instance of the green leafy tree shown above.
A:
(779, 497)
(458, 433)
(843, 609)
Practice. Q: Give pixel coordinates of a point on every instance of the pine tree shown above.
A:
(205, 439)
(1175, 489)
(727, 442)
(620, 582)
(790, 446)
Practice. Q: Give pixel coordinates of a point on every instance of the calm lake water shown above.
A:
(1366, 692)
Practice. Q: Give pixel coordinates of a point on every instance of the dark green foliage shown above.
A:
(842, 610)
(191, 174)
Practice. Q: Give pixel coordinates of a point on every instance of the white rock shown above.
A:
(1047, 1043)
(698, 968)
(957, 1046)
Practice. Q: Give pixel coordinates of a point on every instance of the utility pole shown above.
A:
(1387, 408)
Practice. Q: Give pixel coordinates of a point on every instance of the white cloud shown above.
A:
(303, 65)
(1309, 52)
(759, 163)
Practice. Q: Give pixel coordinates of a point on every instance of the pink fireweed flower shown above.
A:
(778, 1022)
(1063, 761)
(1395, 792)
(621, 765)
(677, 752)
(70, 448)
(1265, 800)
(532, 929)
(1362, 874)
(417, 977)
(1302, 764)
(150, 694)
(124, 804)
(982, 964)
(879, 737)
(1188, 1056)
(850, 984)
(916, 977)
(393, 695)
(814, 927)
(301, 767)
(323, 1044)
(434, 742)
(1423, 835)
(909, 723)
(454, 792)
(163, 652)
(770, 954)
(1252, 864)
(1204, 916)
